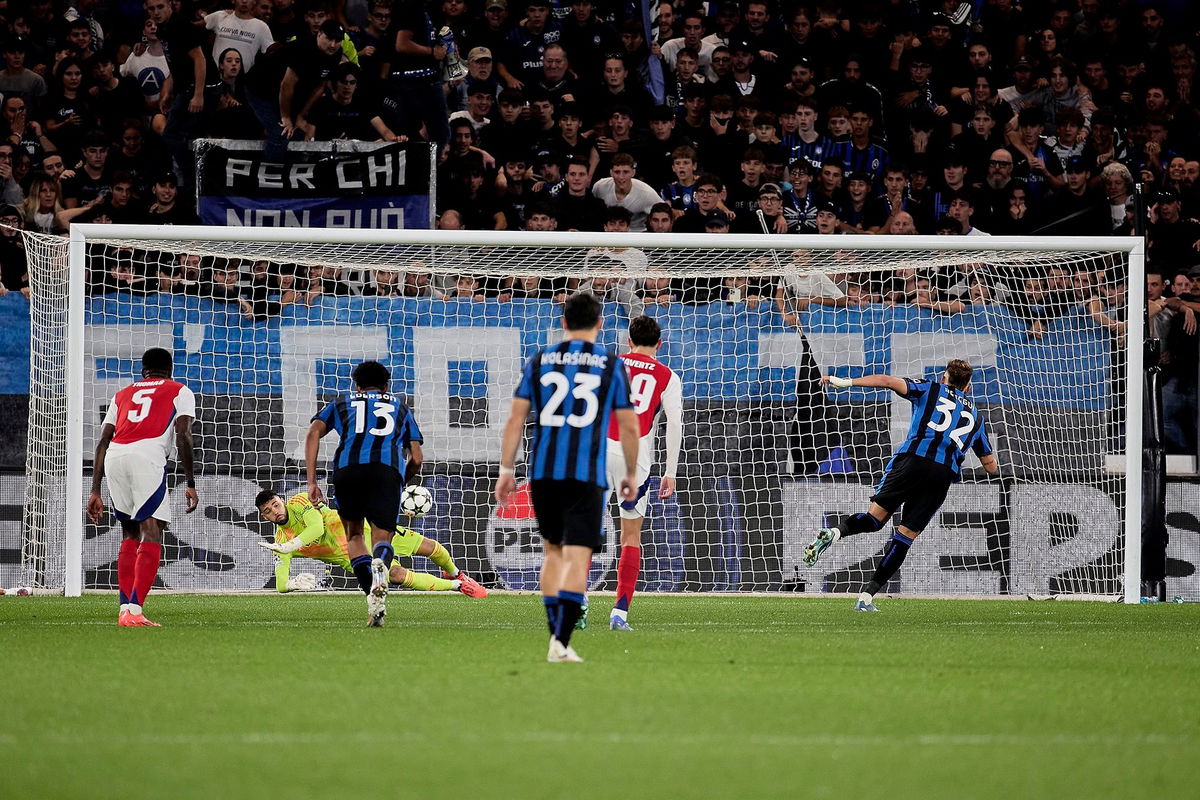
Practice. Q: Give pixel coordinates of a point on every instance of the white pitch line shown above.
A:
(969, 740)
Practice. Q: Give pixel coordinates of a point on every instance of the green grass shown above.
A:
(290, 697)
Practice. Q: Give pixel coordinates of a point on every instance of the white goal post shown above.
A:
(1053, 326)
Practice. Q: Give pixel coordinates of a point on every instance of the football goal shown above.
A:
(266, 324)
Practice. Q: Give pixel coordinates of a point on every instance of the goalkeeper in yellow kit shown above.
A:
(315, 531)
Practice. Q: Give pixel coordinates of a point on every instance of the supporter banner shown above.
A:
(458, 361)
(323, 185)
(723, 351)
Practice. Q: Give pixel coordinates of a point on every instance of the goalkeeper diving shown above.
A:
(310, 530)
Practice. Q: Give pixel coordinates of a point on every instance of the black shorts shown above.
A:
(368, 491)
(919, 484)
(569, 512)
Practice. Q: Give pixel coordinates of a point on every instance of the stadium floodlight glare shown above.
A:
(767, 457)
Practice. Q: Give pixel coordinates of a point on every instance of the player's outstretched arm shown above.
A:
(314, 529)
(312, 446)
(183, 443)
(627, 424)
(509, 443)
(95, 503)
(897, 385)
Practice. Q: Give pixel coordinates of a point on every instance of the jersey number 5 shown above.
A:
(142, 398)
(385, 412)
(586, 385)
(945, 407)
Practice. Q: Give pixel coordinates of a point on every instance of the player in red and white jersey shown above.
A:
(654, 387)
(143, 422)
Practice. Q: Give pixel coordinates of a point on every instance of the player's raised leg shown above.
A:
(872, 520)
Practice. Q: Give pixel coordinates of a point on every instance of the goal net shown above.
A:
(266, 325)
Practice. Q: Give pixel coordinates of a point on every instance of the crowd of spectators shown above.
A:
(878, 116)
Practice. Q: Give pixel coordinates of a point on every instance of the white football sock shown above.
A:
(864, 597)
(617, 612)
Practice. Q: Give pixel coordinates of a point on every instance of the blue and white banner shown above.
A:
(386, 186)
(723, 352)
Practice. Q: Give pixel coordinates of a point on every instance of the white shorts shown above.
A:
(137, 486)
(630, 509)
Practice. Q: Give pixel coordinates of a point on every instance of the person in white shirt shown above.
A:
(241, 30)
(693, 33)
(622, 189)
(960, 210)
(608, 268)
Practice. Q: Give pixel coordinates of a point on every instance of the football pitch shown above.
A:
(291, 697)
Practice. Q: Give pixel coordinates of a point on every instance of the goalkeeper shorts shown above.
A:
(406, 541)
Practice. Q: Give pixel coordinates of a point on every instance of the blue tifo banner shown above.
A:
(723, 352)
(321, 186)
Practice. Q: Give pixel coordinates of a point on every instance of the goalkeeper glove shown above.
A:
(841, 383)
(289, 546)
(304, 582)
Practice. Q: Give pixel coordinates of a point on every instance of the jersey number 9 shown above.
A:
(641, 391)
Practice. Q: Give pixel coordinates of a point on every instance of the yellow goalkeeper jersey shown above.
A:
(319, 526)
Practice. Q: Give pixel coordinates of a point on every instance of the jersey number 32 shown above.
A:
(945, 408)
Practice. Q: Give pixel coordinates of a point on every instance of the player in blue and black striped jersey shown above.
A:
(379, 452)
(945, 425)
(573, 389)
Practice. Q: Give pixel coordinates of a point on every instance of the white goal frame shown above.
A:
(83, 234)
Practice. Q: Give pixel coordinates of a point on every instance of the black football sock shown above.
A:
(570, 605)
(859, 523)
(893, 557)
(385, 553)
(552, 610)
(362, 570)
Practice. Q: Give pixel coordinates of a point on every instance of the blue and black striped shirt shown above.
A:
(375, 428)
(573, 388)
(945, 424)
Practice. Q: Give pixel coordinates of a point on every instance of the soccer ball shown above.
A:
(416, 501)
